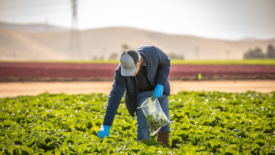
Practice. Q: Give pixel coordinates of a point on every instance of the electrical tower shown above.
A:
(74, 45)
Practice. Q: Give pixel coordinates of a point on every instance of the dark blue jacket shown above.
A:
(158, 68)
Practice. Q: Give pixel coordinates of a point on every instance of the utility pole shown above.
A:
(74, 46)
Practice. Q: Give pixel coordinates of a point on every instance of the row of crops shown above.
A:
(202, 123)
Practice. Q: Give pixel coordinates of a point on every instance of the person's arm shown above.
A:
(115, 97)
(163, 67)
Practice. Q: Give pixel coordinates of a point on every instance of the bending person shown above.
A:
(143, 73)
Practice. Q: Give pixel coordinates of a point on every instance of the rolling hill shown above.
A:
(20, 44)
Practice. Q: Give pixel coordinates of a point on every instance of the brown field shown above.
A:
(34, 88)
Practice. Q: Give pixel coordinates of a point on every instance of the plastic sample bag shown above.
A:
(154, 114)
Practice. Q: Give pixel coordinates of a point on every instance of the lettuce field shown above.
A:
(201, 123)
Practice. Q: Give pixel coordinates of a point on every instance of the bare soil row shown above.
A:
(12, 89)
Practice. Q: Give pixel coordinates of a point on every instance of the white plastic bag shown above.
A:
(154, 114)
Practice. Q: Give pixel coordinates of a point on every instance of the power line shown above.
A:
(224, 22)
(34, 12)
(35, 4)
(24, 7)
(193, 21)
(53, 15)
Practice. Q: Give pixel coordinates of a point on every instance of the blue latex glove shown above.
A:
(158, 91)
(104, 131)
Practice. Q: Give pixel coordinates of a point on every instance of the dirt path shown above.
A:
(34, 88)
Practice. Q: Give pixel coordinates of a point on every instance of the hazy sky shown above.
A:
(224, 19)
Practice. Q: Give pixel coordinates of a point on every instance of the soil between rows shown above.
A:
(34, 88)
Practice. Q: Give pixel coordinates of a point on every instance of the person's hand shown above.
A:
(104, 131)
(158, 91)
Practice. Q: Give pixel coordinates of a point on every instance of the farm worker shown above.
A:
(142, 73)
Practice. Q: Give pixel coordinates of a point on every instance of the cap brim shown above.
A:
(128, 72)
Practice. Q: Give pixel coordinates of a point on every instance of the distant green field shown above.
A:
(227, 62)
(173, 61)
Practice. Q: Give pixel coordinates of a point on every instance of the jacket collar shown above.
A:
(144, 62)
